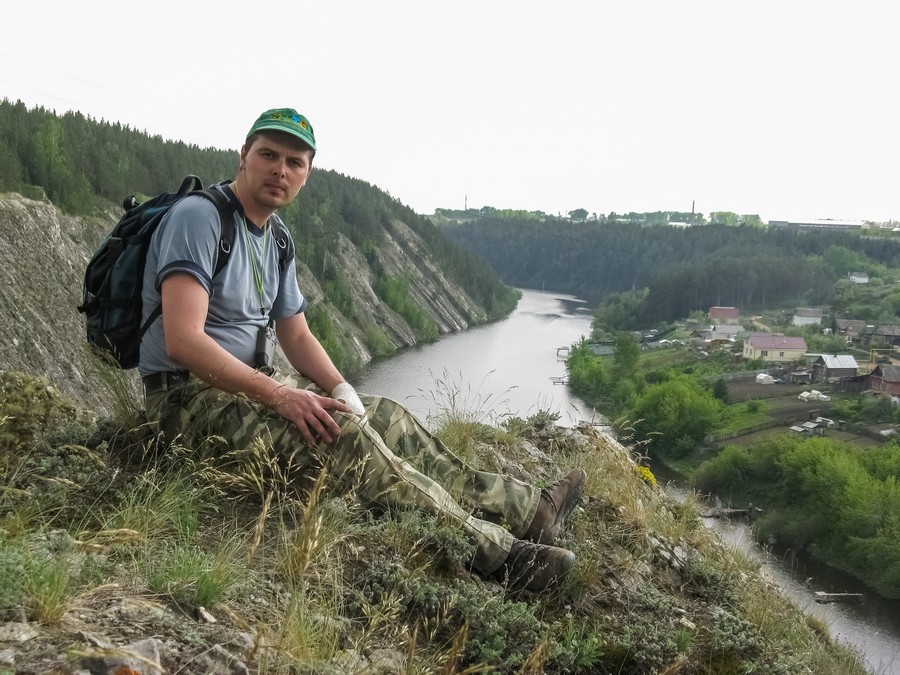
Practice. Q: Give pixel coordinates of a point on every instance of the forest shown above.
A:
(85, 166)
(668, 271)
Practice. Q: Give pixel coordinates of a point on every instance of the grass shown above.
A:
(318, 583)
(743, 415)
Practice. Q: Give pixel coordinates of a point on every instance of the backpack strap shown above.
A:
(226, 237)
(226, 216)
(284, 243)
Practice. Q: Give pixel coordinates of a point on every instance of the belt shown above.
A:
(165, 380)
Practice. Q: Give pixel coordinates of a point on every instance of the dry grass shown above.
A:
(320, 583)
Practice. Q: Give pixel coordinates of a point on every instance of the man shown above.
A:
(203, 375)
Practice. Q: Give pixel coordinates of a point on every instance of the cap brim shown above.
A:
(290, 132)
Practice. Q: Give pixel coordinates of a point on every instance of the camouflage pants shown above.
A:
(390, 460)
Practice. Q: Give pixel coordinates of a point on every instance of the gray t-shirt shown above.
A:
(187, 240)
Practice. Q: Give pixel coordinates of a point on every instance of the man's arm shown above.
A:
(185, 304)
(305, 352)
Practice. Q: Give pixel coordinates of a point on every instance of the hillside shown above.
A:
(682, 269)
(378, 276)
(114, 559)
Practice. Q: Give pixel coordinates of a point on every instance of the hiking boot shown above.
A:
(534, 567)
(556, 503)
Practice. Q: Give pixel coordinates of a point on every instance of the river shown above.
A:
(507, 368)
(502, 369)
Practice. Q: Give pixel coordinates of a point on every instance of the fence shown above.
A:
(718, 438)
(734, 376)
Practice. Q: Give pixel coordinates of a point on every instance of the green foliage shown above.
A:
(819, 494)
(338, 292)
(33, 413)
(341, 353)
(444, 547)
(674, 416)
(190, 575)
(625, 358)
(720, 390)
(394, 291)
(34, 575)
(620, 311)
(83, 164)
(378, 342)
(864, 410)
(501, 631)
(13, 569)
(577, 648)
(676, 271)
(587, 375)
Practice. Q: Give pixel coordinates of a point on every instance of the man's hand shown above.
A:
(310, 413)
(346, 393)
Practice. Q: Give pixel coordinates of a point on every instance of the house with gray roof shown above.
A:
(834, 367)
(888, 334)
(807, 316)
(853, 330)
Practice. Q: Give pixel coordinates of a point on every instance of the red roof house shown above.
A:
(724, 314)
(774, 347)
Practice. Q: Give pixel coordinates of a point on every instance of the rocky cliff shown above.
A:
(43, 253)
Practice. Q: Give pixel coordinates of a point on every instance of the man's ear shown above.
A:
(243, 156)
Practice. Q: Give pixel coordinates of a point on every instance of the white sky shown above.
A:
(784, 108)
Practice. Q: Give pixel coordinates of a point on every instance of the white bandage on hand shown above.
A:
(346, 393)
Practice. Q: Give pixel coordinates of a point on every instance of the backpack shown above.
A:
(113, 280)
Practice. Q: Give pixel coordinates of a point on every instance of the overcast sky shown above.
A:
(785, 108)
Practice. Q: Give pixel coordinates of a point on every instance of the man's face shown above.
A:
(275, 169)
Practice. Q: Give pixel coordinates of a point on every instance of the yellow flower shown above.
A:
(645, 475)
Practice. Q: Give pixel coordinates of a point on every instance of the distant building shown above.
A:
(826, 224)
(774, 348)
(729, 330)
(888, 334)
(834, 366)
(885, 379)
(807, 317)
(727, 315)
(858, 277)
(853, 330)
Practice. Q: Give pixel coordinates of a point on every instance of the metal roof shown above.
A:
(839, 361)
(776, 342)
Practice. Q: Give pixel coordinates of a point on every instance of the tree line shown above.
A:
(670, 271)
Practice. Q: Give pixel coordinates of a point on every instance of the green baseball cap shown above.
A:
(287, 120)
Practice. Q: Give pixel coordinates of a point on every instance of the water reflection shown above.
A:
(505, 368)
(872, 627)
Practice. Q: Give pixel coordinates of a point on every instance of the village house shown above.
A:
(853, 330)
(727, 315)
(889, 335)
(885, 379)
(834, 367)
(774, 348)
(805, 316)
(722, 333)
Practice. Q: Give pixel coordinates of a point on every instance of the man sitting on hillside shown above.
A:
(206, 373)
